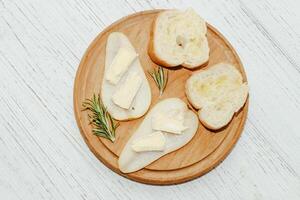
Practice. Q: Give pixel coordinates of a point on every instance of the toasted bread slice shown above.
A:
(218, 92)
(131, 161)
(179, 38)
(142, 98)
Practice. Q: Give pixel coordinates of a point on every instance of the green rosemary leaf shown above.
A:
(102, 122)
(160, 77)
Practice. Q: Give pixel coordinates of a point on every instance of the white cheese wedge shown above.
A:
(123, 59)
(124, 96)
(153, 142)
(170, 121)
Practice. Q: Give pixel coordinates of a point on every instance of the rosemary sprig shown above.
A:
(160, 77)
(100, 119)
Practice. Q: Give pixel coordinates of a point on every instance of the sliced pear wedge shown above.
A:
(131, 161)
(110, 85)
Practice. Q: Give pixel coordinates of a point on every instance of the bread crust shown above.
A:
(199, 107)
(151, 51)
(212, 127)
(195, 67)
(188, 95)
(156, 58)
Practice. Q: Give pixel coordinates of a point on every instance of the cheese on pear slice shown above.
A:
(153, 142)
(131, 161)
(120, 64)
(171, 122)
(142, 99)
(124, 96)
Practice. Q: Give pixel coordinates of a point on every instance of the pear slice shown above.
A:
(131, 161)
(142, 99)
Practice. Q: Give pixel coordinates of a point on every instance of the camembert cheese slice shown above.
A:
(155, 141)
(171, 122)
(124, 96)
(120, 64)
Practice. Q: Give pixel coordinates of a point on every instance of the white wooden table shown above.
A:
(42, 154)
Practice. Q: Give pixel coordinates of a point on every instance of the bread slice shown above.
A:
(130, 161)
(179, 38)
(218, 92)
(142, 99)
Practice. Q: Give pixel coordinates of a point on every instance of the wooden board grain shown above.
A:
(185, 163)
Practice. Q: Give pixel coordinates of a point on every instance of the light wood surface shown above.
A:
(42, 153)
(183, 162)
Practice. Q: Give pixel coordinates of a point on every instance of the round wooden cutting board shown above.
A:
(204, 152)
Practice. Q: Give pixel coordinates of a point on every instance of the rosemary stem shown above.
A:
(100, 119)
(160, 77)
